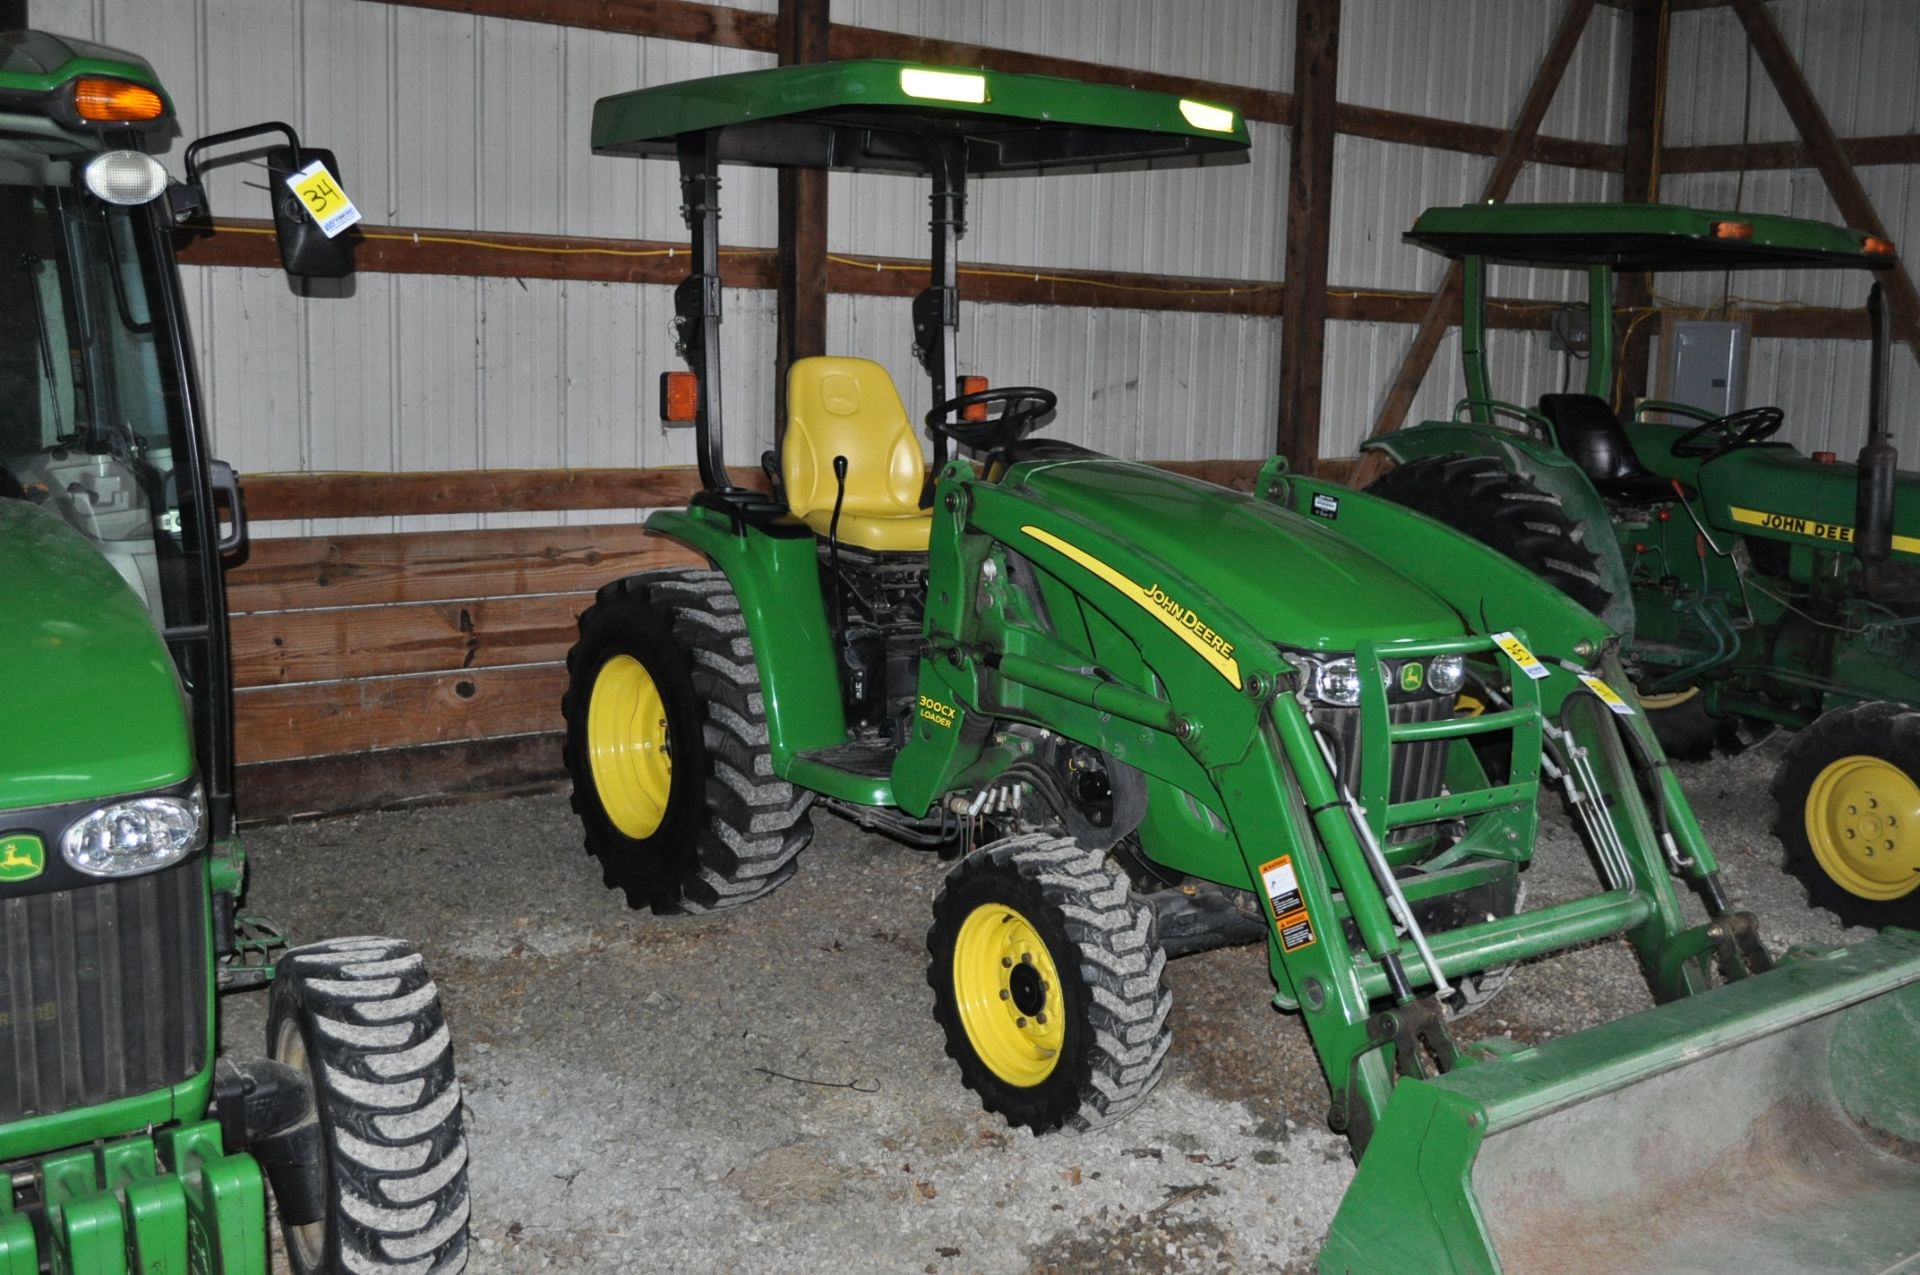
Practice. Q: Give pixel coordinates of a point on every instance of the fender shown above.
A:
(777, 579)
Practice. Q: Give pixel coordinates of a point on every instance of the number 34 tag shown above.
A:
(323, 199)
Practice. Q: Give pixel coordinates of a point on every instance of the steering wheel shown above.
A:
(1724, 433)
(1021, 407)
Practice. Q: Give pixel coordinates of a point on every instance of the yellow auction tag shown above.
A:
(1607, 695)
(323, 199)
(1517, 652)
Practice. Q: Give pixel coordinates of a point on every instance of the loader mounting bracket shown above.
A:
(1422, 1048)
(1732, 938)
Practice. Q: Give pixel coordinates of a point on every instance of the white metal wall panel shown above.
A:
(1860, 58)
(1474, 60)
(1154, 385)
(1246, 42)
(1363, 359)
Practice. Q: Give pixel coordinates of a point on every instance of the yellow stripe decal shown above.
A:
(1795, 525)
(1181, 620)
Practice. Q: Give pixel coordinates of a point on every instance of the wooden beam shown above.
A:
(397, 777)
(1469, 139)
(469, 491)
(801, 330)
(276, 723)
(1848, 194)
(1303, 343)
(1640, 183)
(433, 566)
(1861, 152)
(283, 648)
(1433, 324)
(486, 254)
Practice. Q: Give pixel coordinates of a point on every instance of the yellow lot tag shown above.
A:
(323, 199)
(1517, 652)
(1608, 696)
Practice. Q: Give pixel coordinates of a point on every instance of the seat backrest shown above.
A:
(1590, 433)
(849, 407)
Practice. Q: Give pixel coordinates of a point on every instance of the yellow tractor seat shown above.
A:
(849, 407)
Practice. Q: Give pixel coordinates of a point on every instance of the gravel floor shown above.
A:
(766, 1090)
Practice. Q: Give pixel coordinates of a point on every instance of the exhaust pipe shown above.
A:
(1873, 505)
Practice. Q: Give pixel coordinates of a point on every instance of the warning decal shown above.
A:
(1283, 894)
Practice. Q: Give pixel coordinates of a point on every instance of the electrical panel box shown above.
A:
(1706, 365)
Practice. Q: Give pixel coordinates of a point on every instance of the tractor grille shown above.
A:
(1418, 768)
(103, 991)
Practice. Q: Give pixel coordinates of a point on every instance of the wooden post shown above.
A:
(1433, 325)
(1303, 340)
(1640, 184)
(802, 267)
(1848, 195)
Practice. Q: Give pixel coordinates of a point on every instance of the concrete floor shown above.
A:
(765, 1090)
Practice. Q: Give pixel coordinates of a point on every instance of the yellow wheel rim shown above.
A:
(1863, 822)
(1008, 992)
(628, 748)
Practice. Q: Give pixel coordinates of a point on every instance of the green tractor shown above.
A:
(1145, 715)
(125, 1144)
(1754, 586)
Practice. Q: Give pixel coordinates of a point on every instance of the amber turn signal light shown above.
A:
(973, 385)
(1733, 230)
(679, 397)
(103, 101)
(1877, 246)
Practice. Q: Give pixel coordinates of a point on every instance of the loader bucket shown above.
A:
(1771, 1125)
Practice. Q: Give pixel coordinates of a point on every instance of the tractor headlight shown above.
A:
(1446, 673)
(1335, 681)
(131, 837)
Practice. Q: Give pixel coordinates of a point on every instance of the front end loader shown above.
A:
(1144, 715)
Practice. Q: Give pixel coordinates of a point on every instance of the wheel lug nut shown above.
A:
(1026, 958)
(1006, 963)
(1005, 995)
(1019, 1022)
(1041, 1019)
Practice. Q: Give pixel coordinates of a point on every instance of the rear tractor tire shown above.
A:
(667, 746)
(361, 1019)
(1849, 796)
(1482, 498)
(1046, 974)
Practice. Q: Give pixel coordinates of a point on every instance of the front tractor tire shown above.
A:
(667, 746)
(361, 1020)
(1849, 796)
(1046, 973)
(1482, 498)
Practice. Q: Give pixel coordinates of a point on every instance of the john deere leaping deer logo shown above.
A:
(22, 857)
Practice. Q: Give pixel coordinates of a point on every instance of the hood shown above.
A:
(93, 707)
(1290, 577)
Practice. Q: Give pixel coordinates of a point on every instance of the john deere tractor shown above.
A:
(1143, 715)
(1755, 586)
(125, 1144)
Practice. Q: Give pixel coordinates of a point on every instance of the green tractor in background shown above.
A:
(1754, 586)
(1145, 715)
(125, 1144)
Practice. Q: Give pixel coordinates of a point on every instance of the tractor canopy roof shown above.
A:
(76, 84)
(887, 116)
(1643, 237)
